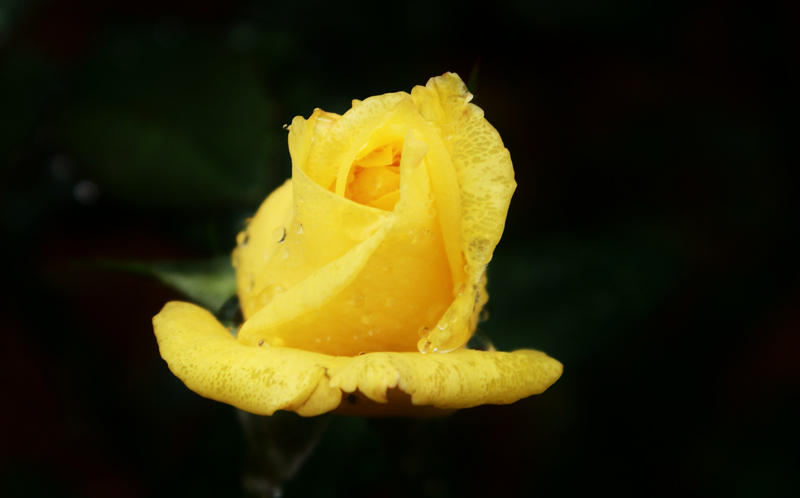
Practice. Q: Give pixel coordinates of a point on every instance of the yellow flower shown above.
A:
(365, 273)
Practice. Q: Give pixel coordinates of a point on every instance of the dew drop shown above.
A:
(261, 342)
(279, 234)
(299, 228)
(423, 331)
(244, 238)
(425, 347)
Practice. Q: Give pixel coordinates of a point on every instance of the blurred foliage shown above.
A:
(208, 283)
(167, 120)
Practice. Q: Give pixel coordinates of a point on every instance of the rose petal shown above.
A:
(338, 146)
(289, 238)
(485, 175)
(357, 298)
(261, 380)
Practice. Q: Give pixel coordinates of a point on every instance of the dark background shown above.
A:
(650, 246)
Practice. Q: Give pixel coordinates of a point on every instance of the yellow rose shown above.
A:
(365, 273)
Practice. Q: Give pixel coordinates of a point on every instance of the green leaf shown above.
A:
(207, 282)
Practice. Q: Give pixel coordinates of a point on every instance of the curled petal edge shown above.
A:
(211, 362)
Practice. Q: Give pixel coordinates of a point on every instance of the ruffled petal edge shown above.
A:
(211, 362)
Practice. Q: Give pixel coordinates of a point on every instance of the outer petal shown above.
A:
(486, 181)
(203, 354)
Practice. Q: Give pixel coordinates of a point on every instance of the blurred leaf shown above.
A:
(208, 282)
(166, 120)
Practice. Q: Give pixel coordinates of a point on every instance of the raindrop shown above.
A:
(244, 239)
(279, 234)
(423, 331)
(425, 347)
(261, 342)
(299, 228)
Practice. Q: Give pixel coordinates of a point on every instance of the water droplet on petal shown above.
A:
(423, 331)
(425, 347)
(299, 228)
(279, 234)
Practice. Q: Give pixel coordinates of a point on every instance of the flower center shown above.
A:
(375, 177)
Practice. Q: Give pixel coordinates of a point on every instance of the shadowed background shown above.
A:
(650, 246)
